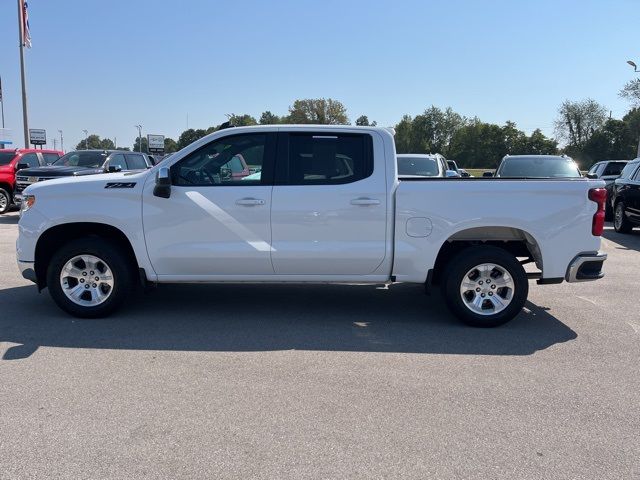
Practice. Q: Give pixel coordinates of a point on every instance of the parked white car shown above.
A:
(423, 165)
(327, 207)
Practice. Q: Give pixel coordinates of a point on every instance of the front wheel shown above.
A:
(89, 278)
(620, 222)
(485, 286)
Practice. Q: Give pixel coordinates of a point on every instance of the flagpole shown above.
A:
(25, 120)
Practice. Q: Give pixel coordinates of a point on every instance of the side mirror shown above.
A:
(114, 168)
(163, 183)
(592, 176)
(21, 166)
(487, 174)
(451, 174)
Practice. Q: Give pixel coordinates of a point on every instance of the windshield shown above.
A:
(6, 157)
(538, 167)
(82, 159)
(424, 166)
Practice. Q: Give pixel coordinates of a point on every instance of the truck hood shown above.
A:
(55, 171)
(87, 183)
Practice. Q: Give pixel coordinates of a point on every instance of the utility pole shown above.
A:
(61, 141)
(86, 139)
(139, 127)
(25, 120)
(55, 143)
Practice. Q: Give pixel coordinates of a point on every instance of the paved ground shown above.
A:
(322, 382)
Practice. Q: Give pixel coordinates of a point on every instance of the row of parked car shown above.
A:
(20, 168)
(622, 178)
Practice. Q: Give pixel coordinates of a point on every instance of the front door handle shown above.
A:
(249, 202)
(365, 201)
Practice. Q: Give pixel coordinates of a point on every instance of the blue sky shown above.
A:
(106, 66)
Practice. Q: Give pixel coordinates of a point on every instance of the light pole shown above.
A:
(61, 141)
(86, 139)
(635, 69)
(139, 127)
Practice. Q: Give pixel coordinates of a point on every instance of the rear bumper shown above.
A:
(28, 271)
(586, 267)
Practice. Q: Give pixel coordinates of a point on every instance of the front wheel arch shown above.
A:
(54, 238)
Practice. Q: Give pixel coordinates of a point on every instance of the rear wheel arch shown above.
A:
(54, 238)
(518, 242)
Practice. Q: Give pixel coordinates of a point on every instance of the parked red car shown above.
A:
(9, 161)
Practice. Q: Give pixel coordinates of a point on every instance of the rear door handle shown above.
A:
(249, 202)
(365, 201)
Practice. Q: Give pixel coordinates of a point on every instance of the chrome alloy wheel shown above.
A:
(487, 289)
(86, 280)
(4, 202)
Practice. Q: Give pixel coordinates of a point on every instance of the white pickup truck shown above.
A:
(317, 204)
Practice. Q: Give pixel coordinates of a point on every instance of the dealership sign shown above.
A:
(155, 143)
(37, 136)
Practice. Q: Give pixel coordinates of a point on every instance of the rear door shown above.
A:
(328, 214)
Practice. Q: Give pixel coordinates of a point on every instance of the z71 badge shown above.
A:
(120, 185)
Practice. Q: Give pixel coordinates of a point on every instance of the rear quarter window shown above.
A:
(629, 169)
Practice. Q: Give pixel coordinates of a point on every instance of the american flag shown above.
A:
(26, 34)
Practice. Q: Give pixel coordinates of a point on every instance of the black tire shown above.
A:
(621, 225)
(121, 270)
(461, 264)
(5, 201)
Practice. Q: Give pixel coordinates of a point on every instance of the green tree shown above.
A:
(539, 144)
(170, 145)
(242, 120)
(268, 118)
(323, 111)
(631, 91)
(578, 121)
(189, 136)
(478, 145)
(403, 134)
(136, 145)
(363, 121)
(614, 141)
(94, 141)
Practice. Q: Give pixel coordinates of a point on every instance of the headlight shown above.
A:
(28, 201)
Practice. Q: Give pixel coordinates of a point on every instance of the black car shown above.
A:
(82, 162)
(625, 200)
(607, 170)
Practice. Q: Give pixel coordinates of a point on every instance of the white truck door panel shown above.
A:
(330, 216)
(217, 220)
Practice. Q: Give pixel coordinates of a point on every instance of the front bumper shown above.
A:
(586, 267)
(28, 271)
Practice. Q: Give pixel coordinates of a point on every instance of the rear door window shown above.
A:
(614, 168)
(327, 159)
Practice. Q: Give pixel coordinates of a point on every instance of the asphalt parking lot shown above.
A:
(322, 382)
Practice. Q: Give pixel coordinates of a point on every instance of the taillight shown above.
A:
(598, 195)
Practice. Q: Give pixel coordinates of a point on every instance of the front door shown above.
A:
(328, 214)
(215, 222)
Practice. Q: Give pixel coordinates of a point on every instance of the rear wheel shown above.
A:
(89, 278)
(620, 222)
(485, 286)
(5, 201)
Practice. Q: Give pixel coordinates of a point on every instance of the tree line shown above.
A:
(587, 132)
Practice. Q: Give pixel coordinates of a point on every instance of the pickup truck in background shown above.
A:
(307, 218)
(12, 160)
(80, 163)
